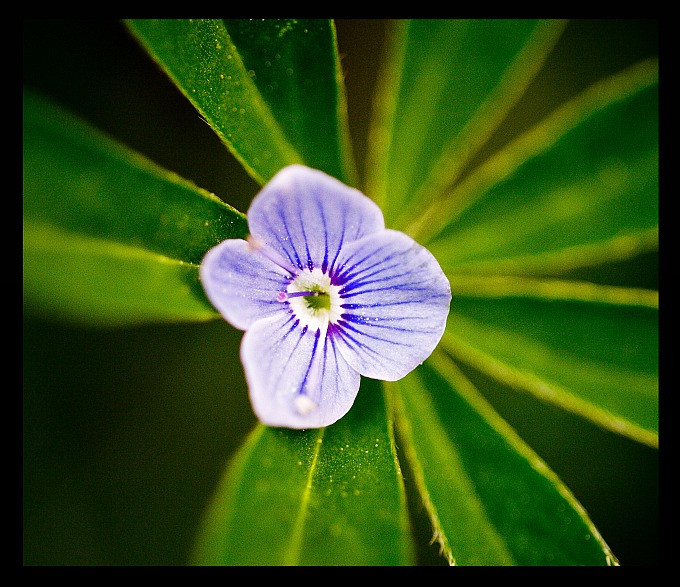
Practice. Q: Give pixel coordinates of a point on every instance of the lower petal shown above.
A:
(394, 301)
(296, 377)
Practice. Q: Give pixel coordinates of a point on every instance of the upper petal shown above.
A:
(394, 300)
(296, 377)
(308, 216)
(242, 283)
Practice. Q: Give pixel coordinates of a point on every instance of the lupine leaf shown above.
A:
(491, 500)
(576, 353)
(109, 237)
(271, 89)
(574, 190)
(445, 88)
(332, 496)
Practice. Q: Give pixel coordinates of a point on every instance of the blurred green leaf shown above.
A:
(270, 88)
(446, 86)
(491, 500)
(109, 237)
(575, 190)
(332, 496)
(597, 358)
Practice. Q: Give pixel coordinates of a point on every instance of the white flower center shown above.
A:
(314, 300)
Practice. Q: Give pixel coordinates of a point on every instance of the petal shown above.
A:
(395, 301)
(308, 216)
(296, 377)
(242, 283)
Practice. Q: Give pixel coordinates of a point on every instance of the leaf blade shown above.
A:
(513, 509)
(437, 107)
(89, 204)
(499, 286)
(569, 352)
(572, 185)
(93, 282)
(333, 493)
(253, 83)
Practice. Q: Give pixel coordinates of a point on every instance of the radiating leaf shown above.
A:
(491, 500)
(109, 237)
(596, 358)
(579, 188)
(446, 87)
(270, 88)
(332, 496)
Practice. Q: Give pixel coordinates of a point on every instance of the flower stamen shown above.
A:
(283, 296)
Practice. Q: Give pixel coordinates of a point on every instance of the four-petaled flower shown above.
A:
(325, 294)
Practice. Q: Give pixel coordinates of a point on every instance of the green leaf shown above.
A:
(91, 281)
(446, 87)
(319, 497)
(492, 501)
(595, 357)
(109, 237)
(573, 191)
(270, 88)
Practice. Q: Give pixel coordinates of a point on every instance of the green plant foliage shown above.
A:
(340, 487)
(525, 210)
(446, 87)
(569, 352)
(491, 500)
(269, 88)
(112, 239)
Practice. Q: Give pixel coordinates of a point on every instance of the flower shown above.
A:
(325, 293)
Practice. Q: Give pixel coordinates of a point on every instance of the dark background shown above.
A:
(125, 433)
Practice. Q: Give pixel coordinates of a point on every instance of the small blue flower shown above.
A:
(325, 294)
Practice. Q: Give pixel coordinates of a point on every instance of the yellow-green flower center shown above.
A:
(314, 300)
(319, 300)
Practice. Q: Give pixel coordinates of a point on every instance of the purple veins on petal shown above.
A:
(296, 366)
(311, 383)
(239, 282)
(364, 265)
(325, 294)
(391, 325)
(413, 293)
(290, 242)
(303, 209)
(272, 255)
(324, 262)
